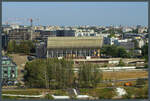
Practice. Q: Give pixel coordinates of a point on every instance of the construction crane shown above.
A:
(31, 25)
(13, 21)
(31, 20)
(19, 21)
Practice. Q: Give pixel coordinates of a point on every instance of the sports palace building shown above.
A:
(74, 47)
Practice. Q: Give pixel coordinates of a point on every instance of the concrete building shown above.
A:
(127, 45)
(38, 28)
(109, 41)
(84, 32)
(6, 29)
(35, 35)
(117, 42)
(45, 34)
(14, 26)
(19, 34)
(140, 43)
(41, 50)
(4, 41)
(74, 47)
(138, 52)
(130, 35)
(9, 69)
(142, 30)
(127, 29)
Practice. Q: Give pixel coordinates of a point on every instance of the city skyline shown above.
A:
(75, 13)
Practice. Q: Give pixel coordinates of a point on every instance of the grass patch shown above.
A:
(99, 92)
(60, 92)
(24, 92)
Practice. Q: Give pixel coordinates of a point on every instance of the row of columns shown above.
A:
(71, 52)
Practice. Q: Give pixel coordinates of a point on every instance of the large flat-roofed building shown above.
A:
(19, 34)
(74, 47)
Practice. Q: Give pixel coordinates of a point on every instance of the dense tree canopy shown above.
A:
(114, 51)
(47, 73)
(59, 74)
(23, 47)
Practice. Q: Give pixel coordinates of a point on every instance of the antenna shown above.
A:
(31, 21)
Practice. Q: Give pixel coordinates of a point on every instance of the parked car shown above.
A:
(128, 84)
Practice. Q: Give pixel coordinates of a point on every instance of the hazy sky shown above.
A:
(77, 13)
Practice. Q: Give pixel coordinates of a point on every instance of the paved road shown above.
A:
(131, 79)
(22, 95)
(124, 80)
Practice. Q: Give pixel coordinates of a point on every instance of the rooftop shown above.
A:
(74, 42)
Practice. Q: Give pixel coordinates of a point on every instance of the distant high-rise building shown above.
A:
(4, 41)
(65, 33)
(41, 50)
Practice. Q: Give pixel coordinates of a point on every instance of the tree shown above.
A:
(145, 52)
(114, 51)
(135, 30)
(49, 73)
(97, 76)
(142, 93)
(137, 93)
(109, 50)
(140, 82)
(122, 52)
(111, 35)
(121, 63)
(131, 53)
(136, 44)
(25, 47)
(34, 74)
(89, 75)
(11, 46)
(48, 96)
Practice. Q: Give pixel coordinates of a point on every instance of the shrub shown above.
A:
(121, 63)
(106, 93)
(140, 82)
(48, 96)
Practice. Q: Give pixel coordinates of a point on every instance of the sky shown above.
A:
(76, 13)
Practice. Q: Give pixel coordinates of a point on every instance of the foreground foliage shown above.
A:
(59, 74)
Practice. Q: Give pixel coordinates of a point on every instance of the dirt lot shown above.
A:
(125, 74)
(20, 60)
